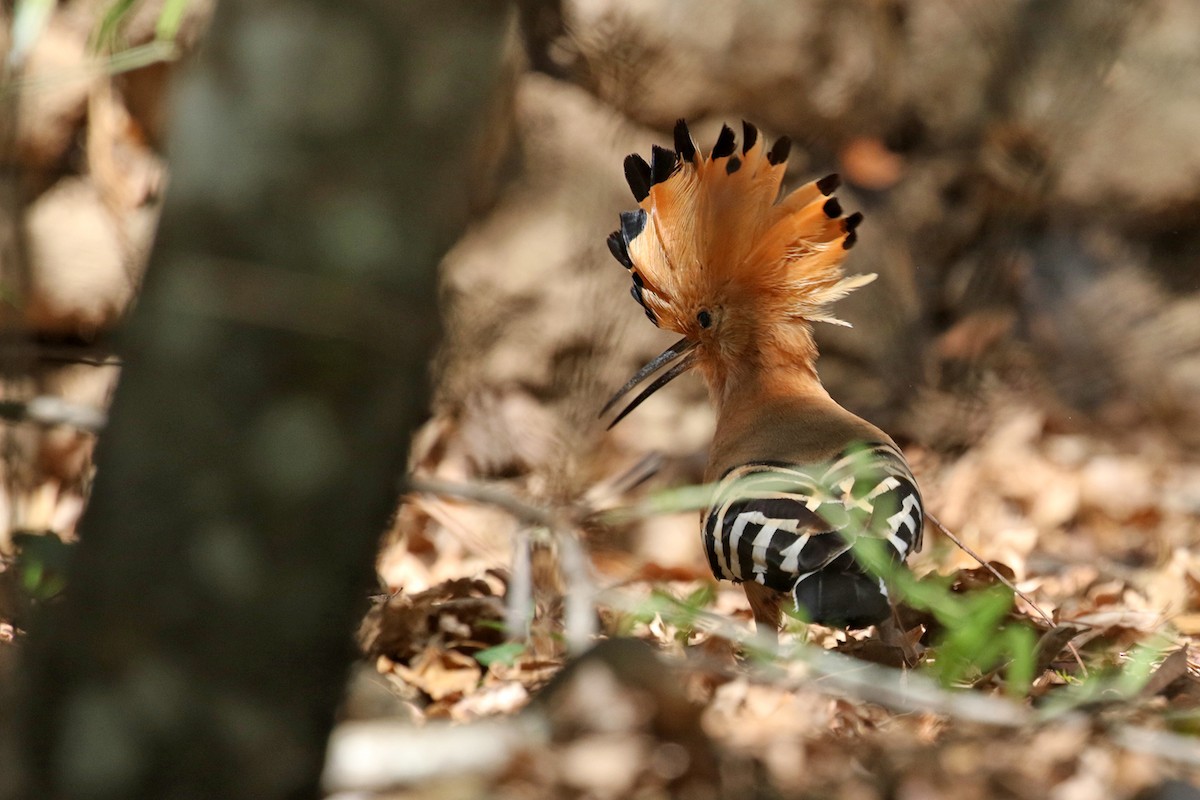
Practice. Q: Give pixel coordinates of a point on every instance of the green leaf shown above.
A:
(30, 18)
(1022, 646)
(105, 37)
(702, 597)
(169, 20)
(506, 653)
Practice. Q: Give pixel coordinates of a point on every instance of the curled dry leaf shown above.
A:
(462, 613)
(441, 673)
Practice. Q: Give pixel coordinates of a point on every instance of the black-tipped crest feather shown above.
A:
(749, 136)
(662, 164)
(726, 143)
(616, 246)
(829, 184)
(632, 223)
(637, 175)
(683, 141)
(779, 151)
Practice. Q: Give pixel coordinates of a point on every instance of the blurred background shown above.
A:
(1030, 177)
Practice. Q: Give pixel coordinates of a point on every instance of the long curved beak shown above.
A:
(680, 353)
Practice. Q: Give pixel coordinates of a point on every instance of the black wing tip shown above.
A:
(850, 240)
(683, 141)
(832, 208)
(853, 221)
(779, 151)
(733, 165)
(749, 136)
(829, 183)
(663, 163)
(619, 250)
(726, 143)
(637, 175)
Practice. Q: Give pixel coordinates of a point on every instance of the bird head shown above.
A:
(716, 258)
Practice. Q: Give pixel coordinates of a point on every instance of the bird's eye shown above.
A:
(704, 318)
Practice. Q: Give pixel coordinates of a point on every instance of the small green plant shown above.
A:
(106, 40)
(506, 653)
(41, 564)
(681, 613)
(1117, 682)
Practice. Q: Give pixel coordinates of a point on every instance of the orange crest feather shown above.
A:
(714, 257)
(708, 230)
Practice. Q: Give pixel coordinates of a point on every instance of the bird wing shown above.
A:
(776, 523)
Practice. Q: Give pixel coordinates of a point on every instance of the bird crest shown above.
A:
(715, 257)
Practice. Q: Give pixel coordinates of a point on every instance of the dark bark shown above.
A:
(274, 366)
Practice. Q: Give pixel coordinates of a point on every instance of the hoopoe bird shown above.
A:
(798, 478)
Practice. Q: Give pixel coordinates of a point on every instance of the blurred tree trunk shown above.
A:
(276, 363)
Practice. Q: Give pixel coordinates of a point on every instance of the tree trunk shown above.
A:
(275, 364)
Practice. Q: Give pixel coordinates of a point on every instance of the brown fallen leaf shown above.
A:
(1187, 624)
(1173, 667)
(441, 673)
(867, 161)
(464, 612)
(1051, 645)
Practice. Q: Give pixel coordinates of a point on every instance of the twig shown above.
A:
(1000, 577)
(1163, 744)
(579, 611)
(579, 621)
(850, 677)
(482, 493)
(518, 605)
(51, 411)
(29, 350)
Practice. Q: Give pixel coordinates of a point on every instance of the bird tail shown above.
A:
(841, 599)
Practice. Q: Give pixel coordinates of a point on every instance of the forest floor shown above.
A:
(1084, 684)
(546, 624)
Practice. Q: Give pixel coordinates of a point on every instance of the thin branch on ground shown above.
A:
(579, 621)
(1000, 577)
(53, 411)
(845, 676)
(487, 495)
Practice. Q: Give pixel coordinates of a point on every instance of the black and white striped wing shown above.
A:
(781, 524)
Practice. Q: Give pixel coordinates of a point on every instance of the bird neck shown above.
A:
(779, 415)
(763, 361)
(768, 380)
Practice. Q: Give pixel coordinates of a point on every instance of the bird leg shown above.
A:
(765, 604)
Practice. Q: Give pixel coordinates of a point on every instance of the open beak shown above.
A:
(679, 355)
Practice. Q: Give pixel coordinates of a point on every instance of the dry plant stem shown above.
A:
(579, 613)
(50, 412)
(579, 618)
(849, 677)
(1046, 617)
(519, 603)
(481, 493)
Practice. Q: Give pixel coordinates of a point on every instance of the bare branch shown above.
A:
(580, 607)
(850, 677)
(987, 565)
(487, 495)
(51, 411)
